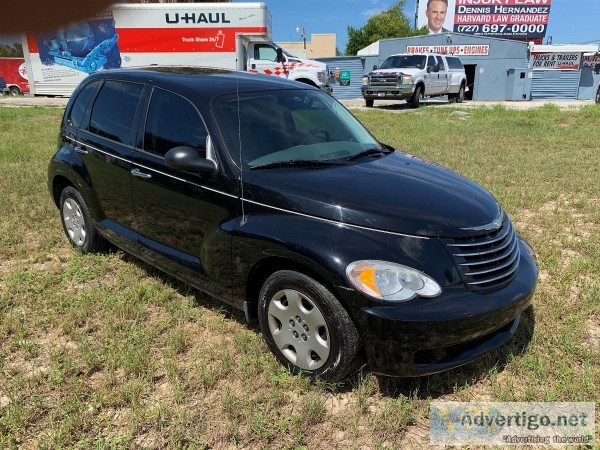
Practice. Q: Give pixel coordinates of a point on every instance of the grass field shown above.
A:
(103, 351)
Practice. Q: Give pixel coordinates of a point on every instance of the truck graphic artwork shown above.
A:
(86, 46)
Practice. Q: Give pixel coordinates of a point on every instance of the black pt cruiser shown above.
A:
(271, 196)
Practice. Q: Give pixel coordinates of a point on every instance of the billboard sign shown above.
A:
(555, 61)
(509, 19)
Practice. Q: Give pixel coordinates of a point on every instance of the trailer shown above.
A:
(227, 35)
(14, 71)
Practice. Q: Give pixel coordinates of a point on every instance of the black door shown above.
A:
(181, 216)
(105, 146)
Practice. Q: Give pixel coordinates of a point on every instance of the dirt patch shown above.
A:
(593, 332)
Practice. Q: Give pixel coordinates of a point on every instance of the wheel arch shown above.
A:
(267, 266)
(307, 81)
(59, 183)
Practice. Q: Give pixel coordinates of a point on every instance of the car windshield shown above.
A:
(404, 62)
(290, 126)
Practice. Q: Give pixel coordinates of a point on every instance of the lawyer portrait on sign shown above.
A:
(436, 15)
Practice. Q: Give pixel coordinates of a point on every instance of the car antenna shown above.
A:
(237, 91)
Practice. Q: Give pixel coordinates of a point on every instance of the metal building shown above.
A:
(497, 69)
(344, 88)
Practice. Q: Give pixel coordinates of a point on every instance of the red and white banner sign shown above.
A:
(482, 50)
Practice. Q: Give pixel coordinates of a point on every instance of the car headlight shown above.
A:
(390, 281)
(408, 80)
(365, 81)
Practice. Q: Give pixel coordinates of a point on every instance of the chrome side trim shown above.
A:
(333, 222)
(156, 171)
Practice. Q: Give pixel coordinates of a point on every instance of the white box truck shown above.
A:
(228, 35)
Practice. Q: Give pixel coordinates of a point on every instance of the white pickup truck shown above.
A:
(412, 76)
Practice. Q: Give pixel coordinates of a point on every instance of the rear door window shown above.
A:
(114, 110)
(173, 121)
(454, 63)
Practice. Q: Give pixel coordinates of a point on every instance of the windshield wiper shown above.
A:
(297, 162)
(370, 151)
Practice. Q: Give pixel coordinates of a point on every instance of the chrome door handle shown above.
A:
(142, 175)
(79, 149)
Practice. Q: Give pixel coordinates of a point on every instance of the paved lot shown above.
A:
(390, 106)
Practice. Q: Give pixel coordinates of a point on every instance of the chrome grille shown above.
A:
(487, 261)
(390, 80)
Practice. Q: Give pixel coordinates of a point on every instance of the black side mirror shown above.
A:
(597, 69)
(280, 58)
(375, 67)
(188, 158)
(436, 68)
(429, 69)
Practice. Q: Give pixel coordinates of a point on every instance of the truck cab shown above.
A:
(268, 58)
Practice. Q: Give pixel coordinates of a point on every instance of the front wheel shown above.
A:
(415, 100)
(307, 328)
(369, 102)
(14, 91)
(77, 222)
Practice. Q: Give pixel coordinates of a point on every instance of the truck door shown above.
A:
(263, 59)
(431, 77)
(442, 75)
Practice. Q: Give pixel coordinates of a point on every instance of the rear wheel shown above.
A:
(369, 102)
(307, 328)
(460, 97)
(77, 223)
(415, 100)
(14, 91)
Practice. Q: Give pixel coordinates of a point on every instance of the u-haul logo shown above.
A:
(196, 18)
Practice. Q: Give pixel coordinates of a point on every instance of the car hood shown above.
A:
(395, 71)
(398, 193)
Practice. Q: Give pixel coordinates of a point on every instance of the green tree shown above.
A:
(388, 24)
(11, 50)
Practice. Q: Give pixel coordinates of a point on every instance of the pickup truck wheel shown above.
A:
(460, 97)
(415, 100)
(14, 91)
(306, 327)
(369, 102)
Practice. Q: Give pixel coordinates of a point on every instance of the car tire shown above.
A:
(598, 95)
(14, 91)
(369, 102)
(415, 100)
(77, 222)
(307, 328)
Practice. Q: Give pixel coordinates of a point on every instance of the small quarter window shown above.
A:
(114, 110)
(81, 103)
(173, 121)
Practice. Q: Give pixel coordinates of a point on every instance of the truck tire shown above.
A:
(598, 95)
(14, 91)
(369, 102)
(415, 100)
(460, 97)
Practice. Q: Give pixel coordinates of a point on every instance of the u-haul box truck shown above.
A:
(13, 70)
(228, 35)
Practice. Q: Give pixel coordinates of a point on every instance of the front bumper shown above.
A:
(401, 92)
(426, 336)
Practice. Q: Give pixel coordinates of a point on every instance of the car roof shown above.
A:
(205, 81)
